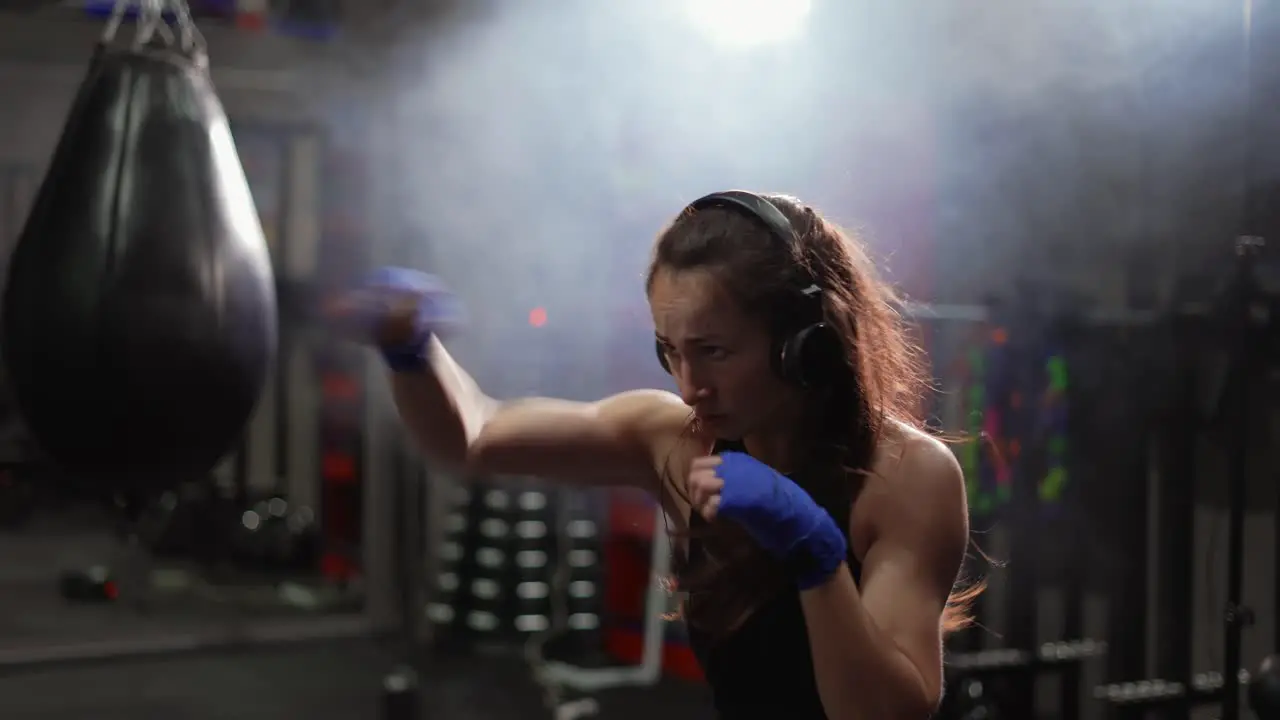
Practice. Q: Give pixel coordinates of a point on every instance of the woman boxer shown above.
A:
(820, 531)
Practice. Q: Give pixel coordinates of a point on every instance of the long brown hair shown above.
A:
(884, 380)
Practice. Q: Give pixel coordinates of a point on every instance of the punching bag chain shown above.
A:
(152, 24)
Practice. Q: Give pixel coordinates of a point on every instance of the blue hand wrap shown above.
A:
(438, 310)
(781, 517)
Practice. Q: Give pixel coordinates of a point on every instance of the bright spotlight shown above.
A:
(748, 23)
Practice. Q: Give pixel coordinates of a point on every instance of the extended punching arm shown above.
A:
(443, 407)
(401, 312)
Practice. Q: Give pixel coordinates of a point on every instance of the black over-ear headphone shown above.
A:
(806, 356)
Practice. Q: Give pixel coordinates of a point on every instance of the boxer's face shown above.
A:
(720, 357)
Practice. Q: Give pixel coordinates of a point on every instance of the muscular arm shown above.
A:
(620, 440)
(877, 649)
(443, 409)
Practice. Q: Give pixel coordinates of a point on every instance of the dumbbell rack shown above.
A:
(963, 669)
(520, 564)
(1143, 695)
(648, 671)
(1049, 656)
(518, 560)
(495, 576)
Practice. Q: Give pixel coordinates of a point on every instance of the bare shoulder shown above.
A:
(917, 484)
(651, 414)
(663, 422)
(658, 419)
(913, 457)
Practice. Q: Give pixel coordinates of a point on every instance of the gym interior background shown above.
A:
(1059, 186)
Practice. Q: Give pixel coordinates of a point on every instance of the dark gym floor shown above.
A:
(330, 680)
(334, 681)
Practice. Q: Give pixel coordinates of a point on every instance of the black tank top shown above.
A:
(764, 668)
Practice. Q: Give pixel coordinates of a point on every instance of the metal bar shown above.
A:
(649, 670)
(1075, 576)
(1178, 432)
(410, 482)
(1237, 469)
(246, 635)
(1021, 515)
(1128, 602)
(287, 338)
(1115, 317)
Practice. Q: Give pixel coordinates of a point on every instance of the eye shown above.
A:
(715, 353)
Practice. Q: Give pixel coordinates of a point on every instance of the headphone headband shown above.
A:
(764, 211)
(754, 205)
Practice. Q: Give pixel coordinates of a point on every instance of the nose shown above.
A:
(694, 396)
(692, 390)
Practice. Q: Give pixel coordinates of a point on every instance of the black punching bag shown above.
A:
(139, 321)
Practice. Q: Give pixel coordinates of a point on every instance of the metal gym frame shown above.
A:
(1241, 323)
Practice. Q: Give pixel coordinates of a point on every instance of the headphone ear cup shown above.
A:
(662, 356)
(811, 357)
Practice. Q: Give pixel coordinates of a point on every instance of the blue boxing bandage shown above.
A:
(392, 290)
(781, 517)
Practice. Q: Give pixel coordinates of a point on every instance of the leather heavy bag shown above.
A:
(139, 321)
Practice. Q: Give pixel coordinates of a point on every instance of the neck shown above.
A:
(777, 444)
(775, 449)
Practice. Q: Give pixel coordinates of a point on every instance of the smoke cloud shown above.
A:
(540, 150)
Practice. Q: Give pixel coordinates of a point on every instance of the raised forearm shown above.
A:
(861, 674)
(443, 407)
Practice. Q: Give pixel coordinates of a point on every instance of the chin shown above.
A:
(722, 427)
